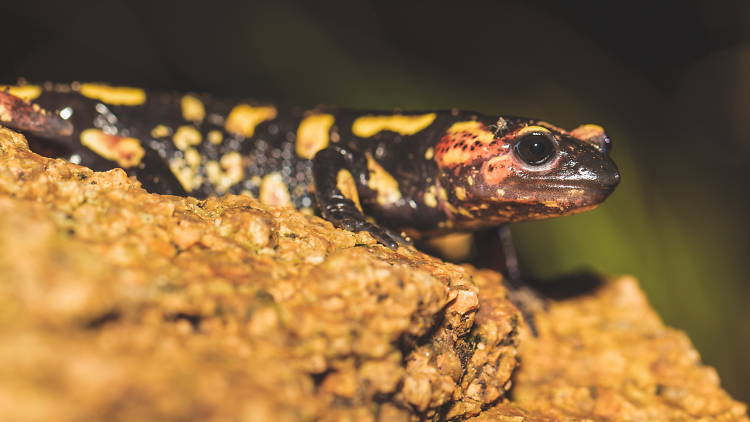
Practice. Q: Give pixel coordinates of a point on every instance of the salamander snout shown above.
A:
(593, 168)
(597, 173)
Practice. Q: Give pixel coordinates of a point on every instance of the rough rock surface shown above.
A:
(116, 304)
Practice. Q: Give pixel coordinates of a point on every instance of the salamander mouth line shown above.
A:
(577, 187)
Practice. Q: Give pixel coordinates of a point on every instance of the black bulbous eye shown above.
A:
(535, 149)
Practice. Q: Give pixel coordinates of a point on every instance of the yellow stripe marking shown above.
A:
(313, 135)
(243, 119)
(345, 183)
(367, 126)
(126, 152)
(115, 95)
(24, 92)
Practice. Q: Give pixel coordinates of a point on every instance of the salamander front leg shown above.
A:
(528, 300)
(335, 170)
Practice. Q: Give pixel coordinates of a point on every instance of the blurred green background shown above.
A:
(670, 81)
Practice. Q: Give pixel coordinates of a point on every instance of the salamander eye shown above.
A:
(535, 148)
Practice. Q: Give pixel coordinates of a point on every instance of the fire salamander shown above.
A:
(423, 173)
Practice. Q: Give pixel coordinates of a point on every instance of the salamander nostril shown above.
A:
(613, 180)
(610, 178)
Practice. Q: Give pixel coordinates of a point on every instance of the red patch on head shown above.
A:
(496, 169)
(465, 143)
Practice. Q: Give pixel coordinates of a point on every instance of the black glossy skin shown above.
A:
(442, 176)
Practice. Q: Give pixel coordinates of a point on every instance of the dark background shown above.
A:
(669, 80)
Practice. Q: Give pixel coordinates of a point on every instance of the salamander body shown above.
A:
(422, 173)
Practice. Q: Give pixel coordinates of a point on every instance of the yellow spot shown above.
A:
(345, 183)
(213, 171)
(429, 198)
(215, 137)
(226, 173)
(193, 157)
(429, 153)
(115, 95)
(466, 213)
(187, 175)
(243, 119)
(126, 152)
(160, 131)
(500, 193)
(192, 108)
(367, 126)
(470, 180)
(551, 204)
(24, 92)
(382, 182)
(451, 209)
(187, 169)
(460, 193)
(273, 191)
(313, 135)
(186, 136)
(593, 134)
(442, 194)
(587, 131)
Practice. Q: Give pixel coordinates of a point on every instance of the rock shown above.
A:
(117, 304)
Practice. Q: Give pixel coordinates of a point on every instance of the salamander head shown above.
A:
(516, 169)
